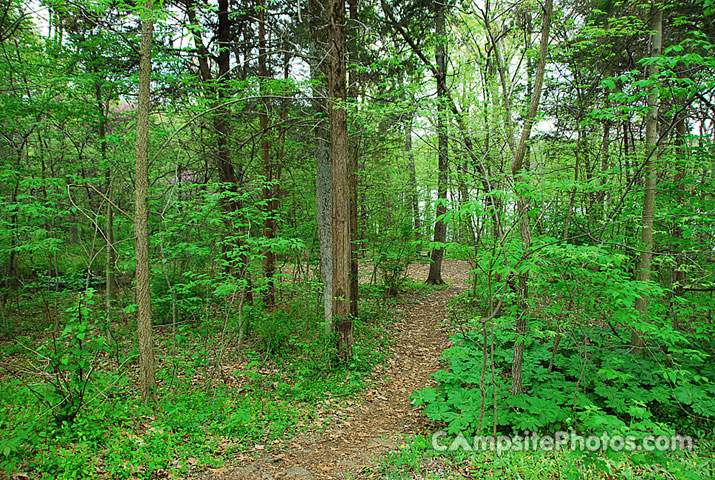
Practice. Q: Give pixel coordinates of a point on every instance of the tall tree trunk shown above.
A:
(354, 152)
(109, 219)
(681, 130)
(235, 253)
(448, 102)
(440, 229)
(323, 178)
(649, 172)
(147, 382)
(523, 203)
(269, 259)
(236, 263)
(337, 88)
(277, 169)
(323, 192)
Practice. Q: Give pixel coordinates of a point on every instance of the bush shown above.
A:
(392, 258)
(274, 330)
(187, 295)
(588, 380)
(615, 391)
(69, 360)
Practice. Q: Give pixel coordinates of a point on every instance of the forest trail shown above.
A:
(356, 435)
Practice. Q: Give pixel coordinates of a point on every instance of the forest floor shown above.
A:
(347, 438)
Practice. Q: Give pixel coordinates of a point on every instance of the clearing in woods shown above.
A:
(366, 428)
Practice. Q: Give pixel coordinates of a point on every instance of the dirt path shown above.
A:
(374, 423)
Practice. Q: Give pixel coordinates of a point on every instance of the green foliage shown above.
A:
(256, 400)
(393, 256)
(578, 371)
(66, 148)
(416, 458)
(70, 360)
(13, 441)
(594, 386)
(274, 329)
(178, 297)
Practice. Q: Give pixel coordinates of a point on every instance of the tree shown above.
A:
(354, 153)
(147, 378)
(217, 87)
(318, 49)
(440, 229)
(649, 172)
(341, 173)
(517, 172)
(269, 166)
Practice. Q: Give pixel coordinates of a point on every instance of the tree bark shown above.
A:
(340, 218)
(649, 173)
(323, 178)
(227, 173)
(147, 380)
(440, 229)
(354, 152)
(235, 263)
(523, 202)
(269, 259)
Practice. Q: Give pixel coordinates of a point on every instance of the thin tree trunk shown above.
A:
(236, 263)
(649, 172)
(269, 259)
(110, 279)
(448, 101)
(681, 130)
(354, 152)
(109, 219)
(605, 154)
(440, 230)
(147, 383)
(466, 224)
(277, 172)
(523, 202)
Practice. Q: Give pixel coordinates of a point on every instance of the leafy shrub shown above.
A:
(615, 391)
(274, 330)
(393, 256)
(69, 361)
(187, 295)
(595, 383)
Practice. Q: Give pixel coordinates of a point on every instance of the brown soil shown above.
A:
(358, 433)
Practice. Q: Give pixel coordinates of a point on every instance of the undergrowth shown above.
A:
(579, 373)
(215, 406)
(416, 458)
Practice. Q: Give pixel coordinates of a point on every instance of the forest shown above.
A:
(357, 239)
